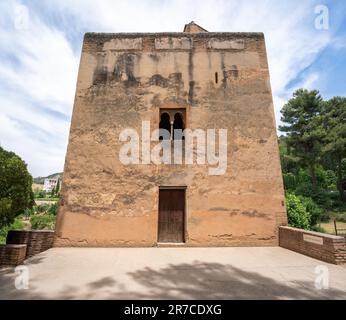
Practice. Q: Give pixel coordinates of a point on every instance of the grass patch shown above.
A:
(329, 226)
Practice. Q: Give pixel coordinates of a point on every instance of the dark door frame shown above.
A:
(185, 209)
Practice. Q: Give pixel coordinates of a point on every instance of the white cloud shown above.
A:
(37, 74)
(41, 158)
(309, 82)
(278, 104)
(339, 42)
(46, 65)
(38, 67)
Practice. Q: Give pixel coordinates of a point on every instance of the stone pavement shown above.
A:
(173, 273)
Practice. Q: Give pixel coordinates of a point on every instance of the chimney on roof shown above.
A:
(193, 27)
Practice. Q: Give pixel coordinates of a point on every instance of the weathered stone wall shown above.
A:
(321, 246)
(126, 78)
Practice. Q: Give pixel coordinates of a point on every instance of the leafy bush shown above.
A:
(16, 225)
(40, 194)
(42, 208)
(29, 212)
(53, 209)
(313, 210)
(46, 209)
(297, 214)
(302, 212)
(44, 217)
(40, 222)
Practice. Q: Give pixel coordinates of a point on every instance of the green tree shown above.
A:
(297, 214)
(15, 187)
(334, 122)
(303, 125)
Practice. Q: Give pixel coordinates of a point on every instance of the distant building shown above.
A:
(50, 184)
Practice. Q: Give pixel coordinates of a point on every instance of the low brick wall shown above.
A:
(36, 240)
(321, 246)
(12, 254)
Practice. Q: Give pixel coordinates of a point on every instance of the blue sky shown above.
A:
(41, 41)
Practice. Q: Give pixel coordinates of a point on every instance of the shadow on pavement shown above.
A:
(195, 280)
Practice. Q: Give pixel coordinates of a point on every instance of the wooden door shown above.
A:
(171, 215)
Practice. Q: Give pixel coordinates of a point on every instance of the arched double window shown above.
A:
(172, 123)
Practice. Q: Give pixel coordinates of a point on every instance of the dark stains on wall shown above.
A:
(123, 74)
(226, 236)
(219, 209)
(154, 57)
(191, 81)
(155, 101)
(234, 72)
(230, 212)
(174, 83)
(224, 73)
(158, 80)
(123, 71)
(228, 74)
(191, 92)
(127, 199)
(254, 213)
(234, 212)
(100, 73)
(100, 76)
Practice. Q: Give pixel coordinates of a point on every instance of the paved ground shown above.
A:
(173, 273)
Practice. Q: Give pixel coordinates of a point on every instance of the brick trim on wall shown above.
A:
(36, 240)
(12, 254)
(318, 245)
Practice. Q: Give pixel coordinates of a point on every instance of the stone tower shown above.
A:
(195, 80)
